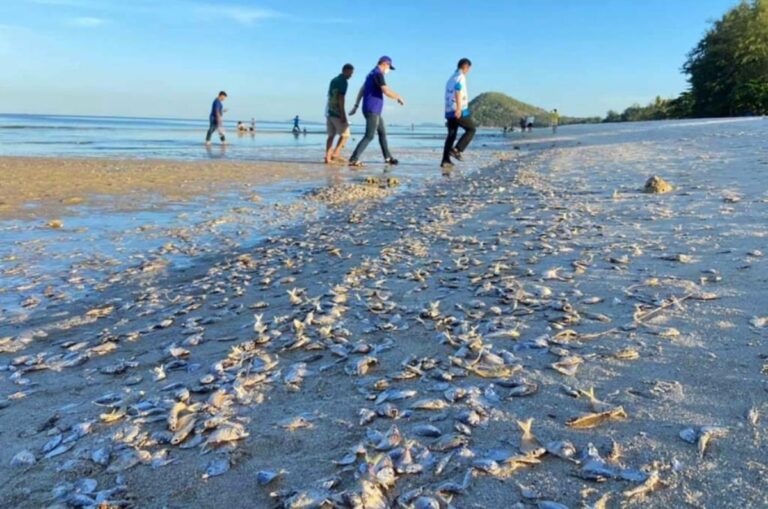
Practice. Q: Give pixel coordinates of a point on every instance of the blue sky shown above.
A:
(275, 58)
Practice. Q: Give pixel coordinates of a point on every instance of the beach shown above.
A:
(381, 339)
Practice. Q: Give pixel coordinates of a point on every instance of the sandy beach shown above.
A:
(391, 349)
(46, 187)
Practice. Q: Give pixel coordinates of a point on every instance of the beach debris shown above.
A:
(593, 420)
(23, 458)
(657, 185)
(264, 477)
(703, 436)
(217, 466)
(639, 493)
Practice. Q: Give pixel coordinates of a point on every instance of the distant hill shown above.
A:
(494, 109)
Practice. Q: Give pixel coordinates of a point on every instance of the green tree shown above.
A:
(728, 69)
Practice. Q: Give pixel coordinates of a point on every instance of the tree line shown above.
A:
(727, 71)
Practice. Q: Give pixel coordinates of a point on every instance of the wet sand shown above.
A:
(34, 187)
(384, 354)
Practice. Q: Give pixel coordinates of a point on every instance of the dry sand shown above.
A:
(551, 258)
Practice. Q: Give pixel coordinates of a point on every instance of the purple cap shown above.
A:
(387, 60)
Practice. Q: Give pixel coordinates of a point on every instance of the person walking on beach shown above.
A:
(522, 124)
(216, 119)
(457, 114)
(372, 94)
(555, 120)
(336, 113)
(296, 128)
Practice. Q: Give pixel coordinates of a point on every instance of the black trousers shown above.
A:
(470, 128)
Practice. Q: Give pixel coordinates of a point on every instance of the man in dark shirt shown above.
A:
(336, 113)
(216, 118)
(372, 94)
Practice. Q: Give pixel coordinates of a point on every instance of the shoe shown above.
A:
(456, 155)
(392, 161)
(356, 164)
(447, 165)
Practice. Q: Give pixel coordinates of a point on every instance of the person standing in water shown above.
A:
(372, 94)
(336, 113)
(216, 118)
(296, 128)
(555, 120)
(457, 114)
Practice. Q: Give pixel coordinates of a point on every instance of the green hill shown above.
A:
(494, 109)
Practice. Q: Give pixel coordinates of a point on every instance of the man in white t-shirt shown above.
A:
(457, 114)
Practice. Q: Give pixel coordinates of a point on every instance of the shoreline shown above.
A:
(46, 187)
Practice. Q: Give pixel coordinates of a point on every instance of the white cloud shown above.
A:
(241, 15)
(88, 22)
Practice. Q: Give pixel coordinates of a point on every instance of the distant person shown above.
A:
(504, 130)
(296, 127)
(253, 125)
(457, 114)
(523, 123)
(336, 113)
(555, 120)
(216, 119)
(241, 127)
(529, 123)
(372, 94)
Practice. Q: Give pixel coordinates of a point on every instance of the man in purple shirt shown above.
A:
(372, 94)
(216, 118)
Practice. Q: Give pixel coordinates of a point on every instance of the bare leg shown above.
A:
(328, 149)
(340, 146)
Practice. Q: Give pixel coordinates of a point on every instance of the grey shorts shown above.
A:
(337, 128)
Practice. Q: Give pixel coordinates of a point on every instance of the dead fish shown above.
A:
(61, 449)
(429, 404)
(449, 442)
(173, 415)
(519, 388)
(596, 419)
(627, 354)
(23, 458)
(388, 441)
(595, 404)
(298, 422)
(455, 488)
(110, 399)
(600, 503)
(114, 416)
(229, 432)
(753, 416)
(185, 426)
(360, 366)
(652, 484)
(53, 443)
(427, 430)
(101, 456)
(394, 395)
(529, 444)
(127, 459)
(217, 467)
(487, 466)
(295, 375)
(706, 435)
(264, 477)
(563, 449)
(568, 366)
(548, 504)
